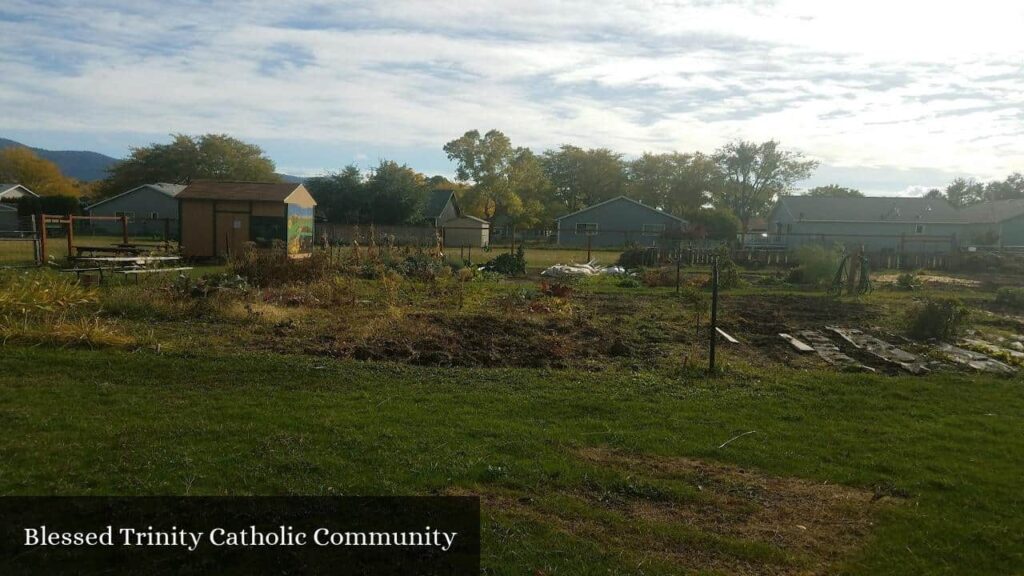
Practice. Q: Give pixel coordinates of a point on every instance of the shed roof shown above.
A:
(868, 209)
(7, 187)
(436, 202)
(163, 187)
(992, 212)
(616, 199)
(240, 191)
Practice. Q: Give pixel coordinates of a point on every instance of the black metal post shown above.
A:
(714, 315)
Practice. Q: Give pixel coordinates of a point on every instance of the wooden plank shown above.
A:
(727, 337)
(154, 270)
(795, 343)
(126, 258)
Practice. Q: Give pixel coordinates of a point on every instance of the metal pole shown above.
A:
(589, 238)
(714, 315)
(124, 228)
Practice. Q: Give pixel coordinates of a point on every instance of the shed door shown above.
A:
(232, 232)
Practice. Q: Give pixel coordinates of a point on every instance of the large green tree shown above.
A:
(187, 158)
(341, 196)
(581, 177)
(1010, 189)
(964, 192)
(677, 183)
(834, 191)
(755, 174)
(485, 162)
(395, 194)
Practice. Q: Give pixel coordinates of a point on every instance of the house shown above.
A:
(617, 223)
(997, 223)
(219, 218)
(466, 231)
(12, 192)
(9, 221)
(151, 209)
(459, 230)
(878, 224)
(440, 207)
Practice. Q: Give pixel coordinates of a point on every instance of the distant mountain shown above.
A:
(290, 178)
(80, 165)
(88, 166)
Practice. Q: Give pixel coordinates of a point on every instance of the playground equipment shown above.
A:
(853, 275)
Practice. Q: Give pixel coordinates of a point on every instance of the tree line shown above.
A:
(721, 191)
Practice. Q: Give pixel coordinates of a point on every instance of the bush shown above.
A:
(628, 282)
(907, 281)
(728, 274)
(1010, 298)
(938, 318)
(509, 264)
(636, 256)
(273, 266)
(818, 266)
(654, 277)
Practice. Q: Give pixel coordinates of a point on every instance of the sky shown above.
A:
(891, 97)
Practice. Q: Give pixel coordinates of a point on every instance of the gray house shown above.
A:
(997, 223)
(151, 209)
(440, 207)
(617, 223)
(879, 224)
(9, 221)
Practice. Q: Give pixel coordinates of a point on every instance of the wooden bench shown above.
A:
(137, 272)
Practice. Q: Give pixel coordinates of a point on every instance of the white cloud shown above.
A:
(868, 84)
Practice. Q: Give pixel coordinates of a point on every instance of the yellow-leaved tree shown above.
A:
(19, 165)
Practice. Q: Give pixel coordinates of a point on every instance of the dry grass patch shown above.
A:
(692, 515)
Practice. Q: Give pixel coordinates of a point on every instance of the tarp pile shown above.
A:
(589, 269)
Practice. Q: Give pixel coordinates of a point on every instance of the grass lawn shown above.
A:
(942, 455)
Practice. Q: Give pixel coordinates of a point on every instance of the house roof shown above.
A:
(240, 191)
(163, 187)
(436, 202)
(868, 209)
(7, 187)
(616, 199)
(473, 218)
(992, 212)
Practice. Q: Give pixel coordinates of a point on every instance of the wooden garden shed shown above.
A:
(219, 218)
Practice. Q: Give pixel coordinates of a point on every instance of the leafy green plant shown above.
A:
(1009, 297)
(907, 281)
(509, 264)
(818, 266)
(938, 318)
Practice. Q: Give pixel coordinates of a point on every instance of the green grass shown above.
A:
(104, 422)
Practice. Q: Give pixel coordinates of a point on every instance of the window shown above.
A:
(653, 229)
(586, 228)
(129, 215)
(919, 229)
(154, 215)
